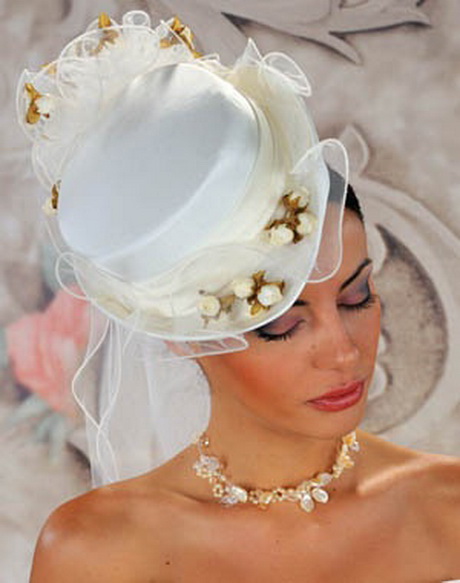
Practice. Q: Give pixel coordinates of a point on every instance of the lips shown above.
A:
(344, 390)
(339, 399)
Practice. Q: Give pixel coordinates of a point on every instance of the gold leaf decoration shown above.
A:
(55, 195)
(294, 207)
(51, 68)
(104, 20)
(32, 114)
(226, 302)
(108, 36)
(259, 283)
(184, 33)
(263, 294)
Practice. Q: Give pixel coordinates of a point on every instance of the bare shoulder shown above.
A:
(438, 474)
(102, 536)
(430, 484)
(438, 491)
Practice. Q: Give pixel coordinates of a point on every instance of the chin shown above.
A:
(349, 422)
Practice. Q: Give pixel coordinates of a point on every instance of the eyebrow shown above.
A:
(345, 284)
(354, 275)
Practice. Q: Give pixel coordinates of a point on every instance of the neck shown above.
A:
(258, 456)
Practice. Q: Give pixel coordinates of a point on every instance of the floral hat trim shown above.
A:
(293, 223)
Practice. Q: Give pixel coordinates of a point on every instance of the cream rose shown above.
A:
(302, 194)
(280, 235)
(269, 295)
(307, 224)
(209, 306)
(243, 288)
(48, 208)
(45, 105)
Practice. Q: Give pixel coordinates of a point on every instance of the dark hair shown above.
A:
(336, 192)
(352, 202)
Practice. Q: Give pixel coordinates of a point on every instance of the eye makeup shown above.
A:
(359, 298)
(356, 296)
(367, 302)
(275, 335)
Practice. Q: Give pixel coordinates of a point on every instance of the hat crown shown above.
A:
(178, 148)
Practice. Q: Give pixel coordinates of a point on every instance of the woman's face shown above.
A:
(326, 340)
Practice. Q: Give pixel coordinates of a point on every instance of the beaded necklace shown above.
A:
(305, 494)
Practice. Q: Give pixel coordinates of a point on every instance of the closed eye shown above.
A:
(270, 337)
(367, 302)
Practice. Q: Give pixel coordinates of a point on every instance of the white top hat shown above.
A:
(193, 202)
(190, 197)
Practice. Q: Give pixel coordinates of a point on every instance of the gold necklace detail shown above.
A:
(305, 494)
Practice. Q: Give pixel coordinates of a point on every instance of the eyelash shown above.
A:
(274, 337)
(366, 303)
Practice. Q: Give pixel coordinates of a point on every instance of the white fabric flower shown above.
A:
(209, 306)
(48, 208)
(269, 295)
(307, 223)
(302, 194)
(243, 288)
(280, 235)
(45, 104)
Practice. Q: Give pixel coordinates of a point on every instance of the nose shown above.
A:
(335, 348)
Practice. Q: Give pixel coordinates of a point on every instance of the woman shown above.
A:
(274, 440)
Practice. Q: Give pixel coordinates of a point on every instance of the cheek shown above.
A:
(255, 373)
(365, 331)
(258, 373)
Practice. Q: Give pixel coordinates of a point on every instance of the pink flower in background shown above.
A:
(46, 348)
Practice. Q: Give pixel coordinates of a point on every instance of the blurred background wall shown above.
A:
(386, 80)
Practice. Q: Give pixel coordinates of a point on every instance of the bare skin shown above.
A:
(394, 517)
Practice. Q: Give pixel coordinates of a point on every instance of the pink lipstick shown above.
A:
(339, 399)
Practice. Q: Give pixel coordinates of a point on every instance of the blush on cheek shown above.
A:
(246, 374)
(251, 371)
